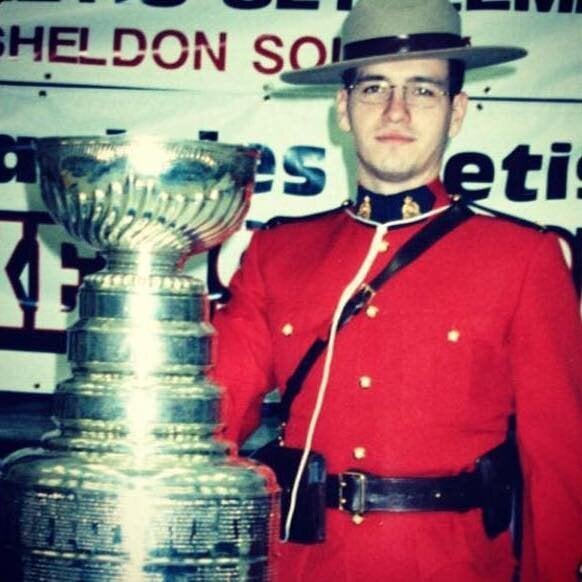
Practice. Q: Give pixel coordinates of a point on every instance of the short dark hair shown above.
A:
(349, 77)
(456, 77)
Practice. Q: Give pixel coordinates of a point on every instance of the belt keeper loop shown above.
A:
(341, 486)
(359, 500)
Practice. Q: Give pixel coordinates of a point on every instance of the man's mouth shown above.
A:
(394, 137)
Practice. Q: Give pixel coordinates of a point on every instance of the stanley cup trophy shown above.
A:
(134, 485)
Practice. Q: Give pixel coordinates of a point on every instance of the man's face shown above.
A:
(400, 146)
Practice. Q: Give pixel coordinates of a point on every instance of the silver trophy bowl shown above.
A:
(135, 483)
(141, 193)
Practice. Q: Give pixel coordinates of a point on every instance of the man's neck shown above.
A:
(388, 188)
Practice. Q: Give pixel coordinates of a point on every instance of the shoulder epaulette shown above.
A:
(506, 216)
(279, 220)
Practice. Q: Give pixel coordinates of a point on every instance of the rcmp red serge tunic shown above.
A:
(483, 325)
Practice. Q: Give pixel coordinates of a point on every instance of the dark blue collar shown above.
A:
(386, 208)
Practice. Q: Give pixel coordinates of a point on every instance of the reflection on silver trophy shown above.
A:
(133, 485)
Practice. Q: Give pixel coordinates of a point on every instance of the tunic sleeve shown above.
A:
(546, 343)
(244, 347)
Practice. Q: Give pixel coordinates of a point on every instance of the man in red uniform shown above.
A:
(484, 325)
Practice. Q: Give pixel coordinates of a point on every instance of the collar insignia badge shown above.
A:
(410, 208)
(365, 208)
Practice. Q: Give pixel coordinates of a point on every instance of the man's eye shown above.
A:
(423, 91)
(371, 88)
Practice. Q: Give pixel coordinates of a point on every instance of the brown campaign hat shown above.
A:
(394, 30)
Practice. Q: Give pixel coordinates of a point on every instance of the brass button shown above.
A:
(383, 246)
(359, 453)
(454, 335)
(372, 311)
(365, 382)
(287, 329)
(357, 519)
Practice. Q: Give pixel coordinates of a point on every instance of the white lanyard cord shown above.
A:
(347, 293)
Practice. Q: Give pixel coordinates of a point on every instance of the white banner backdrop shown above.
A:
(208, 69)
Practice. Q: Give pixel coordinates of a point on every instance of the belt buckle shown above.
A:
(367, 292)
(358, 505)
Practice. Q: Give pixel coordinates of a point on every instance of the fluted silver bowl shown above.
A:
(137, 193)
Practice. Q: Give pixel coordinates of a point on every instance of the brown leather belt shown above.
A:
(359, 492)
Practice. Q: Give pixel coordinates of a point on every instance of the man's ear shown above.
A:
(341, 105)
(458, 111)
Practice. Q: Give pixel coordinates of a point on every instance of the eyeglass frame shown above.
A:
(404, 86)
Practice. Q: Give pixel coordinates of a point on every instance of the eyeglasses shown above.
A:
(420, 95)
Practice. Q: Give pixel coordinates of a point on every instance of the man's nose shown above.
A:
(396, 108)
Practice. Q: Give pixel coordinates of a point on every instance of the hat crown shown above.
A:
(389, 18)
(377, 31)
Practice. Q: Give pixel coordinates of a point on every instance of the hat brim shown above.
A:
(473, 57)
